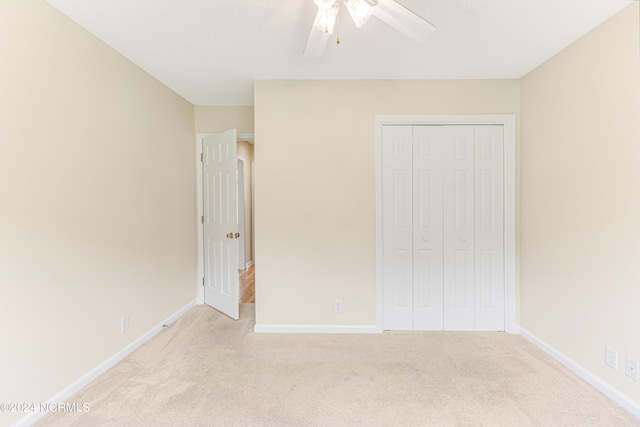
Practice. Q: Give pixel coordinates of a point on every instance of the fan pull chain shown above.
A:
(338, 30)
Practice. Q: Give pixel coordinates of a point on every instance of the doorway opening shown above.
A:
(246, 265)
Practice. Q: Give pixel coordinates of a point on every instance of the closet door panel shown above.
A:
(397, 217)
(489, 232)
(459, 218)
(427, 228)
(443, 228)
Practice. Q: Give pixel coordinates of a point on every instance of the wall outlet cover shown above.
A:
(611, 357)
(124, 324)
(632, 369)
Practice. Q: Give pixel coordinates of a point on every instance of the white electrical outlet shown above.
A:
(632, 369)
(611, 357)
(124, 324)
(338, 306)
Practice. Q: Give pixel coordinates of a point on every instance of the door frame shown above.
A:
(510, 160)
(200, 209)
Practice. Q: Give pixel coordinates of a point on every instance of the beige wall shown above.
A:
(315, 187)
(97, 202)
(218, 119)
(580, 199)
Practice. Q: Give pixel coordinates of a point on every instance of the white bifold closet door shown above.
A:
(443, 228)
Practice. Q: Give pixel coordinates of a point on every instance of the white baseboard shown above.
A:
(316, 329)
(81, 382)
(249, 264)
(612, 393)
(514, 330)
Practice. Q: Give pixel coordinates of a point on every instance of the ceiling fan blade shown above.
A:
(316, 43)
(403, 20)
(321, 31)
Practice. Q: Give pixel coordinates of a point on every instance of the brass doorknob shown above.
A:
(237, 235)
(230, 236)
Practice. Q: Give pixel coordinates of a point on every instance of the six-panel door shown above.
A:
(220, 222)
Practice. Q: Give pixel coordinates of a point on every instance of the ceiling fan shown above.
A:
(388, 11)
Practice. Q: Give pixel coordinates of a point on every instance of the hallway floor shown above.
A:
(248, 285)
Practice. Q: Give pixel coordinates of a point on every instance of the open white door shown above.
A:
(219, 172)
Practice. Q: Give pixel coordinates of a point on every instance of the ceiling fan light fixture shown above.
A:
(326, 17)
(390, 12)
(360, 10)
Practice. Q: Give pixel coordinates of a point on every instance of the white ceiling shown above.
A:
(211, 51)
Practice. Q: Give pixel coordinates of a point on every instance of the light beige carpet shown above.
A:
(208, 370)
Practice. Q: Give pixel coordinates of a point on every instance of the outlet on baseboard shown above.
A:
(632, 369)
(124, 324)
(611, 357)
(338, 306)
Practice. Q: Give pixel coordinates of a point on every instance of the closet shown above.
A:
(443, 227)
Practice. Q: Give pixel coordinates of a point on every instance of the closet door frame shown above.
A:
(509, 125)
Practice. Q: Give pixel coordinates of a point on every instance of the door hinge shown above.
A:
(202, 219)
(203, 281)
(202, 157)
